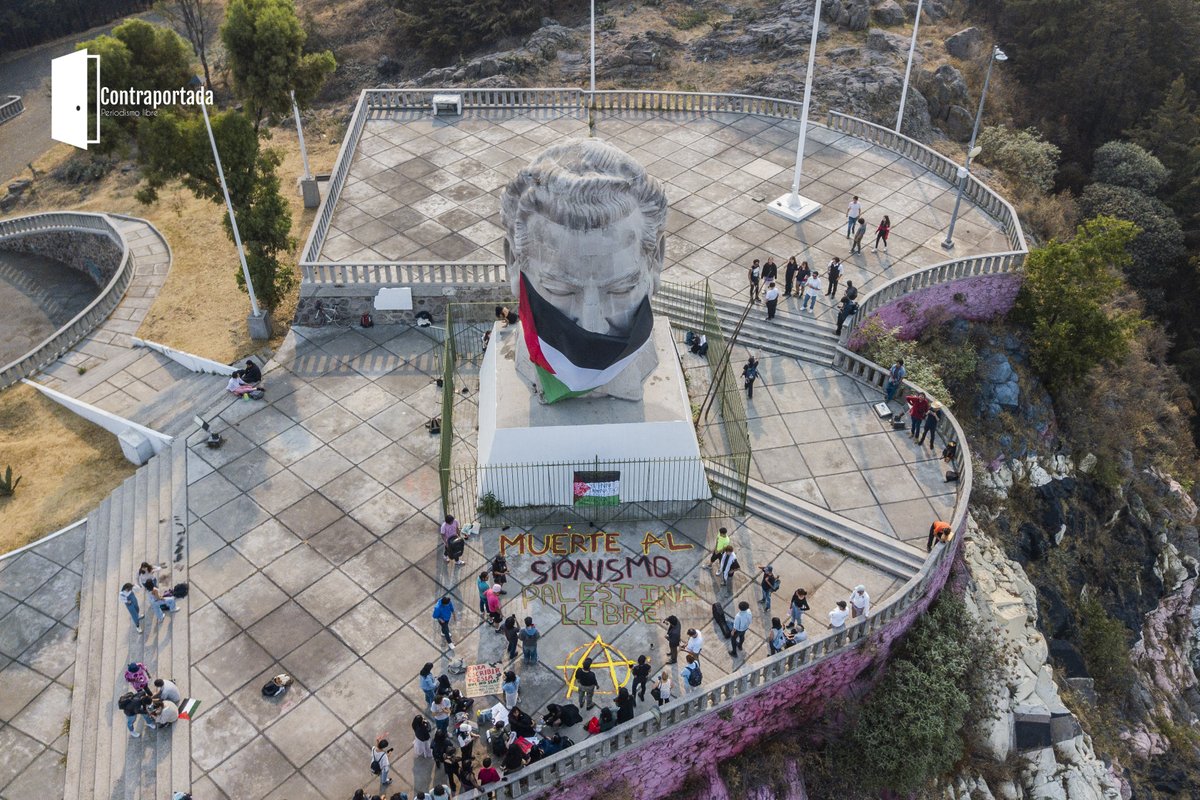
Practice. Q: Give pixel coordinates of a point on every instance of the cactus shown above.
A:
(8, 485)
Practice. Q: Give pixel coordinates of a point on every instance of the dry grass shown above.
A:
(200, 308)
(67, 465)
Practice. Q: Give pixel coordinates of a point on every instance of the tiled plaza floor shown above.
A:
(39, 610)
(427, 189)
(314, 550)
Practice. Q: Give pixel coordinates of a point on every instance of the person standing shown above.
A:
(512, 634)
(812, 290)
(131, 605)
(851, 291)
(641, 677)
(749, 376)
(661, 691)
(769, 584)
(529, 641)
(789, 273)
(695, 643)
(802, 277)
(465, 737)
(440, 709)
(133, 705)
(381, 763)
(798, 606)
(482, 584)
(838, 617)
(832, 276)
(427, 682)
(500, 572)
(448, 528)
(673, 637)
(881, 233)
(853, 212)
(770, 271)
(488, 773)
(136, 676)
(859, 232)
(918, 407)
(729, 565)
(495, 614)
(585, 681)
(690, 674)
(772, 298)
(860, 602)
(624, 704)
(846, 309)
(443, 612)
(719, 548)
(754, 275)
(456, 545)
(775, 639)
(931, 425)
(422, 736)
(741, 624)
(511, 688)
(895, 379)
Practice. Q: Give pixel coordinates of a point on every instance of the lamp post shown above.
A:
(308, 187)
(259, 323)
(912, 48)
(964, 171)
(792, 206)
(593, 47)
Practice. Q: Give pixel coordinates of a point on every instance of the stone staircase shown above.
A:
(806, 338)
(142, 520)
(829, 528)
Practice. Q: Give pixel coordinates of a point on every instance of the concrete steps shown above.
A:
(830, 529)
(134, 524)
(788, 334)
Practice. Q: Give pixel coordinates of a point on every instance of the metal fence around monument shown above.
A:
(724, 466)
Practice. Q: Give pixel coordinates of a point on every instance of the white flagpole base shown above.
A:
(783, 207)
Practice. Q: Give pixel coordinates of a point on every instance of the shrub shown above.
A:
(1159, 245)
(1126, 164)
(7, 484)
(1065, 301)
(884, 347)
(447, 30)
(1104, 643)
(1026, 158)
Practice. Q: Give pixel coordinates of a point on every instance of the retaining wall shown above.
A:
(94, 254)
(351, 301)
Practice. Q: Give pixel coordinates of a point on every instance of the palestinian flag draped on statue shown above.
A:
(597, 488)
(570, 360)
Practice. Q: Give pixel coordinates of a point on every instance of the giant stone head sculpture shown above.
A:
(584, 245)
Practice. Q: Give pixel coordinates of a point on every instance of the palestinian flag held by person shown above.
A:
(188, 708)
(571, 360)
(600, 488)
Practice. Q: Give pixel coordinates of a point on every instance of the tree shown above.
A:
(1172, 133)
(1066, 301)
(137, 55)
(177, 146)
(446, 30)
(1024, 155)
(265, 44)
(198, 21)
(1126, 164)
(1159, 247)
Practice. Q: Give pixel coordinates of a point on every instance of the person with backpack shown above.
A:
(422, 737)
(130, 601)
(381, 763)
(729, 565)
(847, 308)
(135, 704)
(691, 675)
(456, 545)
(749, 376)
(443, 612)
(769, 584)
(529, 636)
(776, 641)
(586, 682)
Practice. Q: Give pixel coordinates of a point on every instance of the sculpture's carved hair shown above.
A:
(582, 185)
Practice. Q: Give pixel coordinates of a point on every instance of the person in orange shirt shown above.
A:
(939, 531)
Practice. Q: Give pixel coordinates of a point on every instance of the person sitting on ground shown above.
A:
(277, 685)
(507, 315)
(608, 720)
(244, 381)
(251, 374)
(521, 723)
(167, 690)
(165, 713)
(566, 714)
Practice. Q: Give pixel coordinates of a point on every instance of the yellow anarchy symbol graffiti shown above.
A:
(614, 660)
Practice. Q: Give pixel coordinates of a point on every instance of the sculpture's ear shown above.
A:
(660, 255)
(514, 275)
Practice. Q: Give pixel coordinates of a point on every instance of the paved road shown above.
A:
(27, 73)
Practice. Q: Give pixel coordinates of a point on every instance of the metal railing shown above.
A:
(944, 272)
(96, 311)
(11, 107)
(427, 273)
(761, 676)
(316, 237)
(422, 99)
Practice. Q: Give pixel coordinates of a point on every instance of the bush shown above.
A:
(932, 364)
(1027, 159)
(1126, 164)
(1065, 301)
(1104, 643)
(447, 30)
(1159, 246)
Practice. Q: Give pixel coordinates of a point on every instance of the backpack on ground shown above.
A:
(695, 677)
(564, 741)
(366, 321)
(179, 591)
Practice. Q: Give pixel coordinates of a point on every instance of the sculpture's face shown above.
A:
(598, 278)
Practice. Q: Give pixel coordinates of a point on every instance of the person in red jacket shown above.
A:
(918, 407)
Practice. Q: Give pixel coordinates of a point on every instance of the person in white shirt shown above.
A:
(860, 602)
(741, 624)
(812, 290)
(728, 565)
(695, 642)
(381, 755)
(853, 212)
(838, 617)
(772, 298)
(663, 685)
(167, 690)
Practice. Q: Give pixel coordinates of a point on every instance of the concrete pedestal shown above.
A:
(783, 206)
(312, 195)
(529, 451)
(260, 326)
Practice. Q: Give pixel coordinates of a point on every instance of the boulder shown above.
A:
(18, 187)
(959, 123)
(853, 15)
(965, 44)
(888, 13)
(881, 41)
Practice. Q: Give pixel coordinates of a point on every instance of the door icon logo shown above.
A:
(69, 99)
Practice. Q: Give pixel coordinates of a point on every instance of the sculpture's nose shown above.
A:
(591, 315)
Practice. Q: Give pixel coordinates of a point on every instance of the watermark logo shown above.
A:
(69, 101)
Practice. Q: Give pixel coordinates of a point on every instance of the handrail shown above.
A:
(11, 107)
(942, 272)
(453, 273)
(316, 237)
(96, 311)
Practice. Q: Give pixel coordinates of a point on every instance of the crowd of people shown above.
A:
(158, 707)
